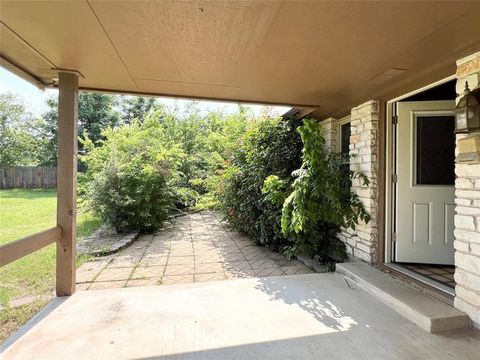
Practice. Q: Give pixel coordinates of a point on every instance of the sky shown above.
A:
(35, 98)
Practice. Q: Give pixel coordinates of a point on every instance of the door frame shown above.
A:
(385, 247)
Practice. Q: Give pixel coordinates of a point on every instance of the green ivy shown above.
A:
(321, 202)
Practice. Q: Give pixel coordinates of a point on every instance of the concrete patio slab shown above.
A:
(101, 285)
(310, 316)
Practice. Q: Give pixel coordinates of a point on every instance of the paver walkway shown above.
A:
(197, 248)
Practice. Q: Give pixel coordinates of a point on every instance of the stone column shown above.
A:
(362, 242)
(329, 129)
(467, 218)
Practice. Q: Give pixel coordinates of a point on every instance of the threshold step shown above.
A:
(429, 313)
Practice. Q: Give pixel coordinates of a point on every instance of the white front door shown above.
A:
(425, 192)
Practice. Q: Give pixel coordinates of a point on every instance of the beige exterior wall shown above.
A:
(467, 218)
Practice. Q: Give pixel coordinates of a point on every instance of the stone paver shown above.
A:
(100, 285)
(197, 248)
(149, 272)
(88, 271)
(114, 274)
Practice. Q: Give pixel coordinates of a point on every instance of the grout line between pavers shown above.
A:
(239, 249)
(216, 247)
(193, 247)
(94, 279)
(168, 255)
(138, 262)
(249, 263)
(230, 236)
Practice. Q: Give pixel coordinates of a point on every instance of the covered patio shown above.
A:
(320, 58)
(310, 316)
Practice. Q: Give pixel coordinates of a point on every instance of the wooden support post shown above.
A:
(67, 182)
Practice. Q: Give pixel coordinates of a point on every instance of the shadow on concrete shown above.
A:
(309, 299)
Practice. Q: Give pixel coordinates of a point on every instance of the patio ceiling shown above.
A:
(327, 55)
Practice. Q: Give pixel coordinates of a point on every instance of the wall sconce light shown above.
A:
(467, 113)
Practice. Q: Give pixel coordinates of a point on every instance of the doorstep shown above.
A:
(428, 312)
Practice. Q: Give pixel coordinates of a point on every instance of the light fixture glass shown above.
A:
(467, 113)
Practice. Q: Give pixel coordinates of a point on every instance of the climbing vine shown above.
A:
(320, 201)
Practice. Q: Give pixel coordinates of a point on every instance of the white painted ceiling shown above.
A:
(328, 55)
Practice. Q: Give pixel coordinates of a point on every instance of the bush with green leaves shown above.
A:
(272, 147)
(207, 142)
(320, 201)
(131, 176)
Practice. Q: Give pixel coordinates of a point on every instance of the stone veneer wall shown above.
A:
(329, 129)
(467, 218)
(362, 242)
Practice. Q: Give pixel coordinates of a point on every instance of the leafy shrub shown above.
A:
(185, 197)
(165, 162)
(207, 141)
(272, 147)
(130, 177)
(321, 202)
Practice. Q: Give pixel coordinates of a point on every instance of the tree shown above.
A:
(48, 133)
(18, 143)
(96, 112)
(136, 107)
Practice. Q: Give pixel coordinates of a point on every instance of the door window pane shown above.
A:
(435, 150)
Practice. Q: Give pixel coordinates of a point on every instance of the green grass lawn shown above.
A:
(22, 213)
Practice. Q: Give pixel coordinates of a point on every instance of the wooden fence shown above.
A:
(28, 177)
